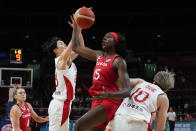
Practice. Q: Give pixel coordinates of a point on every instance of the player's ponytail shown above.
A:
(121, 48)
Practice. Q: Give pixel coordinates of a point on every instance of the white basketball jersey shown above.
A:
(65, 82)
(141, 103)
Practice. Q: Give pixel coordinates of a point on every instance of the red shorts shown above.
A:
(110, 105)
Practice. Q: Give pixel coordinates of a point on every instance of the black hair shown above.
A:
(51, 44)
(121, 45)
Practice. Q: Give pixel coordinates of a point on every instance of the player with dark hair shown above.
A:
(21, 112)
(65, 76)
(110, 67)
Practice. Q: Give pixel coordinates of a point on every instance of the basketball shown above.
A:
(84, 17)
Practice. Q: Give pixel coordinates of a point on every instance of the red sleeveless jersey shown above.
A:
(24, 118)
(104, 75)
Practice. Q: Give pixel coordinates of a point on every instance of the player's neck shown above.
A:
(21, 104)
(108, 54)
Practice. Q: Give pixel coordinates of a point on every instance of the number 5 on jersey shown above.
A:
(96, 74)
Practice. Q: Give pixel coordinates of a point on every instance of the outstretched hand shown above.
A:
(46, 118)
(73, 23)
(105, 94)
(73, 19)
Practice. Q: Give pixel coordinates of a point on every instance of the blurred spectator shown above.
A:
(186, 106)
(187, 117)
(171, 116)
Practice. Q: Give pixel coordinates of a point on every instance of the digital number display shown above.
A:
(16, 56)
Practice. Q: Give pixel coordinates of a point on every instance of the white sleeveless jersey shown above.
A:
(141, 103)
(65, 82)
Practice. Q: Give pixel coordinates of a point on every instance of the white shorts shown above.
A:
(120, 123)
(59, 115)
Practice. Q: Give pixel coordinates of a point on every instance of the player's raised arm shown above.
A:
(65, 57)
(81, 50)
(74, 54)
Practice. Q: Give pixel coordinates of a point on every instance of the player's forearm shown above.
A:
(125, 92)
(160, 124)
(67, 52)
(75, 38)
(74, 54)
(159, 128)
(41, 119)
(81, 37)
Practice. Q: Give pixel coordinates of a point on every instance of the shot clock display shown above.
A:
(15, 56)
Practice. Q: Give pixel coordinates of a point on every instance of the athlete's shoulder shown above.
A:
(119, 60)
(136, 81)
(162, 99)
(163, 96)
(15, 109)
(29, 104)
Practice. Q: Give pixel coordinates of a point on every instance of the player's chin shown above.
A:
(24, 98)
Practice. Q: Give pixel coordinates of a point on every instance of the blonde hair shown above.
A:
(165, 79)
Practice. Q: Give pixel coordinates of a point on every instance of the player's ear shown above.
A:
(15, 97)
(55, 50)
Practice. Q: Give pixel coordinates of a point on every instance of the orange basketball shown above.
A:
(84, 17)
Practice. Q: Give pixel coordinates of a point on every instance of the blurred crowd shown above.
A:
(182, 97)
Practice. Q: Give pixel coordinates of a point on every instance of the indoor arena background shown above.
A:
(160, 37)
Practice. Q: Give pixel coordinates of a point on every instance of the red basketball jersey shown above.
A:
(25, 118)
(104, 75)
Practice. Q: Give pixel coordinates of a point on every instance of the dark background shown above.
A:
(150, 27)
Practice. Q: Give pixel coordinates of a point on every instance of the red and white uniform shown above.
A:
(60, 106)
(104, 75)
(135, 112)
(25, 118)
